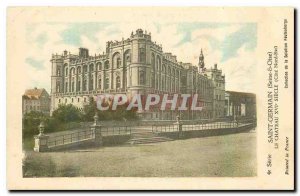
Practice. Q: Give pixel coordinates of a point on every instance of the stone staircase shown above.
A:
(146, 138)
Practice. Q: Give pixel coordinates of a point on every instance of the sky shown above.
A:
(230, 45)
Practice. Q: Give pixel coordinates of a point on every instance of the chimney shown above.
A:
(83, 52)
(216, 66)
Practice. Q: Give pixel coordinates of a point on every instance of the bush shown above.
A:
(31, 122)
(119, 114)
(67, 113)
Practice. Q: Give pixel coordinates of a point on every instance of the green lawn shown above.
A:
(227, 155)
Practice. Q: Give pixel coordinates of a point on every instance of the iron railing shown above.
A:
(127, 130)
(70, 138)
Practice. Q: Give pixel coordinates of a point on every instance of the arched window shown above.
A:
(106, 85)
(116, 59)
(79, 70)
(118, 82)
(78, 85)
(91, 67)
(58, 70)
(65, 69)
(99, 66)
(106, 65)
(127, 57)
(118, 62)
(84, 68)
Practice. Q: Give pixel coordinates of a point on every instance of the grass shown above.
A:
(227, 155)
(28, 143)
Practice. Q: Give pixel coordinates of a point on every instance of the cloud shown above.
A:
(41, 39)
(38, 65)
(230, 45)
(240, 71)
(73, 33)
(244, 36)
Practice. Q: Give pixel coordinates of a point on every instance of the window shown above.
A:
(106, 85)
(100, 82)
(142, 77)
(91, 84)
(58, 100)
(72, 100)
(127, 57)
(58, 70)
(79, 70)
(91, 67)
(66, 72)
(153, 61)
(99, 66)
(106, 65)
(84, 69)
(118, 82)
(78, 85)
(73, 85)
(84, 85)
(66, 88)
(84, 99)
(58, 87)
(152, 80)
(78, 99)
(118, 62)
(142, 55)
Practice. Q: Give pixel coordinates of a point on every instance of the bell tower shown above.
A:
(201, 63)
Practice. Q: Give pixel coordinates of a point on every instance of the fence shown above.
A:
(203, 126)
(70, 138)
(89, 134)
(44, 142)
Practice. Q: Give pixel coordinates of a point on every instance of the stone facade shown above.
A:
(36, 100)
(135, 65)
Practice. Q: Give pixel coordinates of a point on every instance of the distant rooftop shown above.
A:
(34, 93)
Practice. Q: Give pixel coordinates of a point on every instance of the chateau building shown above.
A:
(136, 65)
(36, 100)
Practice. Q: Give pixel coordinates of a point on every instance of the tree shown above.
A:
(66, 113)
(89, 110)
(31, 122)
(119, 114)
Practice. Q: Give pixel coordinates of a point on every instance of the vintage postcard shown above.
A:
(150, 98)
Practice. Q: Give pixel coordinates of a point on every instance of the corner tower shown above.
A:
(140, 67)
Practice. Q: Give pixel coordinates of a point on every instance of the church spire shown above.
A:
(201, 63)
